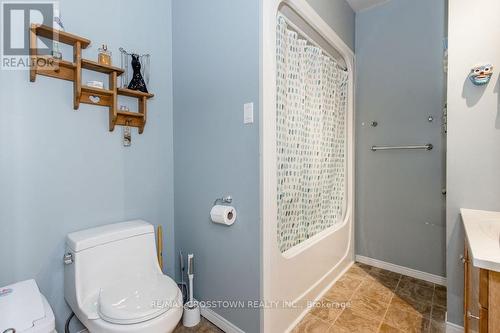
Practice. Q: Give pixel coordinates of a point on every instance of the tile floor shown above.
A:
(203, 327)
(371, 300)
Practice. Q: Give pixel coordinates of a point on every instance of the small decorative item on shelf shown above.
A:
(127, 133)
(57, 25)
(137, 70)
(95, 84)
(104, 56)
(137, 82)
(481, 74)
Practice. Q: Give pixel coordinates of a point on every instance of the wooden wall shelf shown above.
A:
(133, 119)
(97, 67)
(72, 71)
(60, 36)
(96, 96)
(134, 93)
(49, 66)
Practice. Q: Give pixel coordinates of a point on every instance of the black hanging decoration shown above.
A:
(137, 82)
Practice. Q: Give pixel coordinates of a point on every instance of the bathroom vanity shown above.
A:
(481, 271)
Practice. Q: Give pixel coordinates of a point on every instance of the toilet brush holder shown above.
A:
(191, 316)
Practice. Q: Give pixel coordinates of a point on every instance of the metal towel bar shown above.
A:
(412, 147)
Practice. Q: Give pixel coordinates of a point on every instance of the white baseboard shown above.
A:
(220, 321)
(402, 270)
(453, 328)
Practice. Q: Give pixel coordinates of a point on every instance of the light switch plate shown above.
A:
(248, 113)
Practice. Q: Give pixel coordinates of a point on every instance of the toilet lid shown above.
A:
(134, 300)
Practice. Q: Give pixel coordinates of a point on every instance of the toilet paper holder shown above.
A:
(226, 200)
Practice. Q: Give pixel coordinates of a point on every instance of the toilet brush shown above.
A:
(191, 276)
(191, 308)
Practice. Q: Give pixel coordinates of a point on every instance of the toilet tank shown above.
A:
(102, 255)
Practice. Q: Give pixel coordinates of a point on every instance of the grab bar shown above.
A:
(413, 147)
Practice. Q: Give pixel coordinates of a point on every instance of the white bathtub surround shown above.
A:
(317, 262)
(319, 297)
(482, 229)
(441, 280)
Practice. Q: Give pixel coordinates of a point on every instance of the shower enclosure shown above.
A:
(307, 119)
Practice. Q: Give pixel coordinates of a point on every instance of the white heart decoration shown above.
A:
(94, 99)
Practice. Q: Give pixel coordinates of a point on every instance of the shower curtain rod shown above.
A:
(312, 41)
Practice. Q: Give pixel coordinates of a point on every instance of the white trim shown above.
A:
(441, 280)
(329, 255)
(453, 328)
(220, 321)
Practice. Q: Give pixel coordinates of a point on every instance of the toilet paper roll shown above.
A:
(223, 214)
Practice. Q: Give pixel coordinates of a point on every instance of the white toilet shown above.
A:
(113, 283)
(24, 309)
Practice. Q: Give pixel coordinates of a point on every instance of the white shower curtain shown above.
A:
(311, 138)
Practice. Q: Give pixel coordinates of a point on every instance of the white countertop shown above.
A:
(482, 229)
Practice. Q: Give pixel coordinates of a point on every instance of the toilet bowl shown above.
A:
(113, 283)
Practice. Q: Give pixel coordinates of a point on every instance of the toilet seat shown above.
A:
(135, 300)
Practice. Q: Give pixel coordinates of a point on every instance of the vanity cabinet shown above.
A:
(481, 297)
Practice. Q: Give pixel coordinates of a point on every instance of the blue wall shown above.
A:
(61, 170)
(216, 71)
(400, 211)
